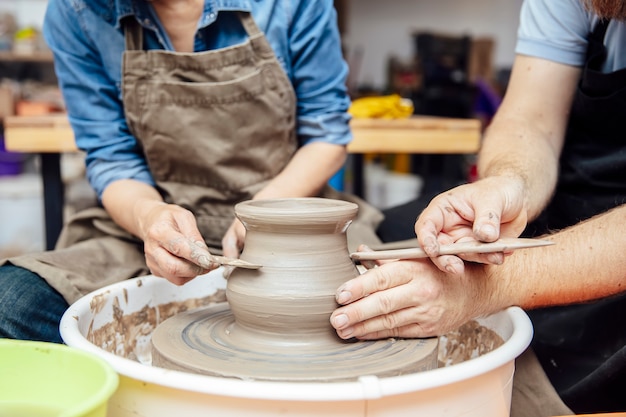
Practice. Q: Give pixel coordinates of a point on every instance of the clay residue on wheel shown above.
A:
(467, 342)
(98, 302)
(128, 335)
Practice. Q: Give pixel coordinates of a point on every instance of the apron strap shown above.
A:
(257, 38)
(596, 50)
(599, 31)
(249, 24)
(133, 34)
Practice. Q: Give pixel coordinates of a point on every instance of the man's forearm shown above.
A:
(586, 263)
(512, 149)
(526, 136)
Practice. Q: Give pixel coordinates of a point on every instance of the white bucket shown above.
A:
(386, 189)
(479, 387)
(401, 188)
(21, 215)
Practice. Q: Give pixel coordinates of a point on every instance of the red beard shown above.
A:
(608, 9)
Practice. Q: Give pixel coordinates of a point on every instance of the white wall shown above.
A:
(384, 28)
(26, 12)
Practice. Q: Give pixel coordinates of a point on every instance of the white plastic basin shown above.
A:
(479, 387)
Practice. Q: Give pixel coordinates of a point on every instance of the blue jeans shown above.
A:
(30, 309)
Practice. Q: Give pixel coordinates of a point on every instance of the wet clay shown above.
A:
(469, 341)
(120, 335)
(128, 335)
(276, 325)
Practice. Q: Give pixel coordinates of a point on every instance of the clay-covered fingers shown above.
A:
(173, 268)
(173, 245)
(227, 271)
(485, 211)
(430, 239)
(499, 206)
(447, 218)
(488, 217)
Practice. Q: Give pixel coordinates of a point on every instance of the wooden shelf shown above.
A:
(38, 57)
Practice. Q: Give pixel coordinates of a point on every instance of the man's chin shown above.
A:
(608, 9)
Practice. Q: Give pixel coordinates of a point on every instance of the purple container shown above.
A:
(10, 162)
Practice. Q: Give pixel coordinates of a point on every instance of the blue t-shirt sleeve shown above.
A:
(92, 97)
(556, 30)
(319, 74)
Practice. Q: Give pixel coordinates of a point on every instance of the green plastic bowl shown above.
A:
(53, 380)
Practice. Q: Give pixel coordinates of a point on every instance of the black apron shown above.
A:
(582, 347)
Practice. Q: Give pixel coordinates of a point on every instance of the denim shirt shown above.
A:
(88, 42)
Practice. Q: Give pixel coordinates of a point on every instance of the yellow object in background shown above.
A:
(28, 40)
(385, 107)
(26, 33)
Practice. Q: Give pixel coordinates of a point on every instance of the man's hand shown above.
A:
(485, 211)
(407, 299)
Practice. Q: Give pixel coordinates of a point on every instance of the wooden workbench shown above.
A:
(416, 135)
(39, 134)
(422, 134)
(52, 135)
(48, 136)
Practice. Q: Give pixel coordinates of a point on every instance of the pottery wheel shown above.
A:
(209, 341)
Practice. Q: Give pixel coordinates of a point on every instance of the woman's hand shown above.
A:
(232, 243)
(173, 246)
(233, 240)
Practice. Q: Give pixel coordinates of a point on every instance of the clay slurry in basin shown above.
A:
(275, 325)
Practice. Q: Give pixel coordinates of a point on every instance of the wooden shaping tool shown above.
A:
(501, 245)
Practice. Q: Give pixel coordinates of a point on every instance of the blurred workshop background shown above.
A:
(407, 58)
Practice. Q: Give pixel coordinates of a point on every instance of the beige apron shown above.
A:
(215, 127)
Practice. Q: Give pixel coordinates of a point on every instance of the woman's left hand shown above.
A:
(232, 242)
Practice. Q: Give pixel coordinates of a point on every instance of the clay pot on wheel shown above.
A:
(302, 246)
(276, 323)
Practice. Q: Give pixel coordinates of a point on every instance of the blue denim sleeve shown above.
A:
(91, 94)
(319, 74)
